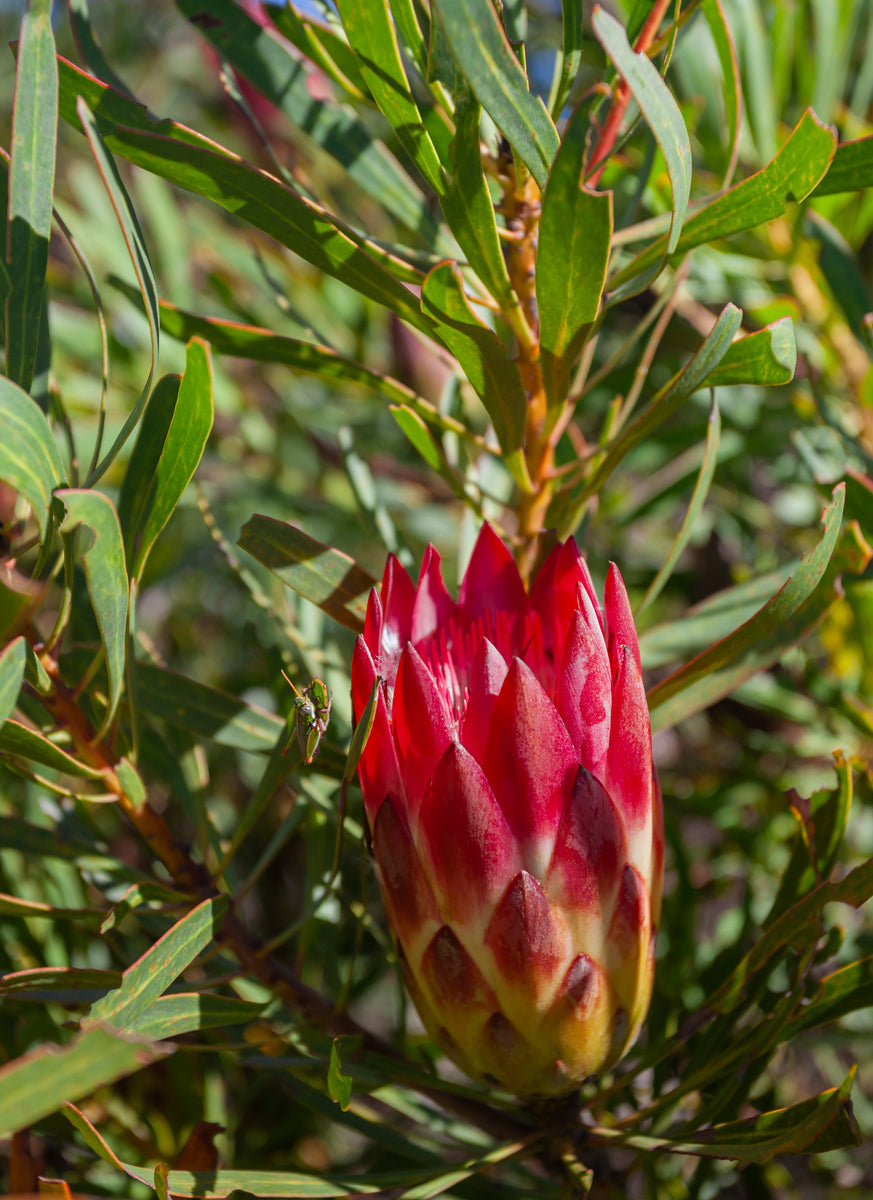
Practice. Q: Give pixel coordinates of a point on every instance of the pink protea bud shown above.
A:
(515, 812)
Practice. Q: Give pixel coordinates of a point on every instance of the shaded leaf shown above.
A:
(38, 1083)
(480, 47)
(12, 662)
(21, 741)
(281, 76)
(326, 577)
(186, 1012)
(31, 183)
(61, 985)
(29, 459)
(339, 1086)
(469, 209)
(756, 643)
(102, 552)
(204, 711)
(847, 990)
(150, 976)
(186, 437)
(139, 257)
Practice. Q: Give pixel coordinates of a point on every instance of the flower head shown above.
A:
(514, 810)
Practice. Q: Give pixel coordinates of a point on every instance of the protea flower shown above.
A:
(514, 811)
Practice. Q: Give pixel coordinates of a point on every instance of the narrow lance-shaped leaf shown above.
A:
(793, 173)
(144, 459)
(102, 553)
(730, 69)
(142, 267)
(20, 741)
(31, 183)
(759, 642)
(326, 577)
(569, 55)
(469, 209)
(698, 499)
(676, 392)
(29, 459)
(660, 112)
(203, 711)
(270, 206)
(181, 452)
(37, 1084)
(481, 49)
(572, 258)
(368, 25)
(151, 975)
(282, 77)
(12, 662)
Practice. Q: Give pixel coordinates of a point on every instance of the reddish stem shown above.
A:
(621, 97)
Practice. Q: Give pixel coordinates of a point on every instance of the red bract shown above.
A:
(515, 813)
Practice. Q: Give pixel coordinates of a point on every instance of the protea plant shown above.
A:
(514, 811)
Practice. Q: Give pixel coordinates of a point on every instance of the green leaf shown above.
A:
(793, 173)
(188, 431)
(14, 906)
(660, 112)
(843, 275)
(799, 927)
(37, 1084)
(20, 741)
(850, 170)
(59, 985)
(822, 821)
(824, 1122)
(718, 670)
(144, 459)
(281, 76)
(847, 990)
(20, 597)
(339, 1086)
(204, 711)
(12, 662)
(480, 47)
(469, 210)
(732, 91)
(186, 1012)
(326, 577)
(102, 551)
(484, 359)
(569, 55)
(150, 976)
(142, 267)
(270, 206)
(371, 35)
(262, 345)
(31, 182)
(215, 1185)
(692, 376)
(766, 358)
(29, 459)
(321, 46)
(89, 51)
(572, 258)
(698, 499)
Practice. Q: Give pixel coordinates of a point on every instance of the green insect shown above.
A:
(312, 716)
